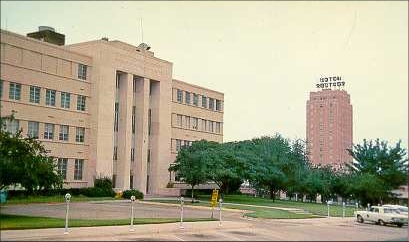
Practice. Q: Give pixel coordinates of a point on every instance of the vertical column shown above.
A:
(141, 147)
(160, 136)
(124, 131)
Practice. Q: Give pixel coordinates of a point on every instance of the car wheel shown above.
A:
(381, 222)
(360, 219)
(400, 225)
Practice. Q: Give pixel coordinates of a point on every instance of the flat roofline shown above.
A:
(59, 47)
(193, 85)
(116, 47)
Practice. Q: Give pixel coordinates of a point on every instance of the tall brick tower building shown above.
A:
(329, 127)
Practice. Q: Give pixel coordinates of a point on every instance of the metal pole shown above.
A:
(132, 201)
(220, 211)
(328, 208)
(67, 201)
(343, 209)
(181, 212)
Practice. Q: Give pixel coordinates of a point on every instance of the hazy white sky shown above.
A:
(265, 56)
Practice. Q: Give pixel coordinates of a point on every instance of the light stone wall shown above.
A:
(32, 62)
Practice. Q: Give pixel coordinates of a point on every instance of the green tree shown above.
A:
(376, 162)
(25, 161)
(191, 163)
(226, 168)
(271, 155)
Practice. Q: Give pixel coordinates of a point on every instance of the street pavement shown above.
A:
(234, 227)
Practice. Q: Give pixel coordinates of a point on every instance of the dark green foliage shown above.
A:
(104, 183)
(377, 170)
(128, 193)
(102, 188)
(25, 161)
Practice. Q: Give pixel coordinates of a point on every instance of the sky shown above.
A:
(264, 56)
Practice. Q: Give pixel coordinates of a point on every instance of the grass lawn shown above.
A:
(27, 222)
(314, 208)
(49, 199)
(255, 212)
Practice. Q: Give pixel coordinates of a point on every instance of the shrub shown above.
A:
(103, 182)
(98, 192)
(128, 193)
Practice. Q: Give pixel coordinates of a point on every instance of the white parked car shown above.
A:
(402, 209)
(382, 216)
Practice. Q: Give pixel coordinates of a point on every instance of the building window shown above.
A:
(48, 131)
(1, 88)
(187, 122)
(187, 98)
(178, 145)
(62, 167)
(132, 154)
(33, 128)
(204, 101)
(180, 96)
(34, 94)
(194, 123)
(218, 127)
(12, 126)
(195, 99)
(203, 125)
(211, 126)
(218, 105)
(80, 134)
(133, 119)
(211, 103)
(115, 155)
(81, 103)
(50, 97)
(65, 100)
(116, 120)
(79, 164)
(64, 132)
(82, 72)
(178, 120)
(15, 91)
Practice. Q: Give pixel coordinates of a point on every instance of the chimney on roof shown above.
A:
(48, 34)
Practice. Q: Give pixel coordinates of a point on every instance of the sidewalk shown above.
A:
(109, 233)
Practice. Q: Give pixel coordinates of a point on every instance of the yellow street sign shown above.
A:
(214, 197)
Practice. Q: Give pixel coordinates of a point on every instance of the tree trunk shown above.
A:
(272, 193)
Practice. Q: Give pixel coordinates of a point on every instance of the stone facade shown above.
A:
(131, 109)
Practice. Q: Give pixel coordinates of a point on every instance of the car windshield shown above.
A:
(405, 210)
(390, 210)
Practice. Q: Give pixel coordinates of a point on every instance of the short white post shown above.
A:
(220, 211)
(67, 201)
(368, 207)
(181, 212)
(328, 208)
(357, 206)
(343, 209)
(296, 197)
(132, 201)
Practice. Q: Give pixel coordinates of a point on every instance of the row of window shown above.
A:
(13, 126)
(194, 123)
(181, 143)
(193, 99)
(50, 96)
(62, 164)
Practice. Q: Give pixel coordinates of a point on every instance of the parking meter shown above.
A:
(182, 201)
(67, 201)
(132, 201)
(220, 211)
(67, 197)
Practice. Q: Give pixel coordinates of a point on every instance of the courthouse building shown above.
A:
(104, 108)
(329, 127)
